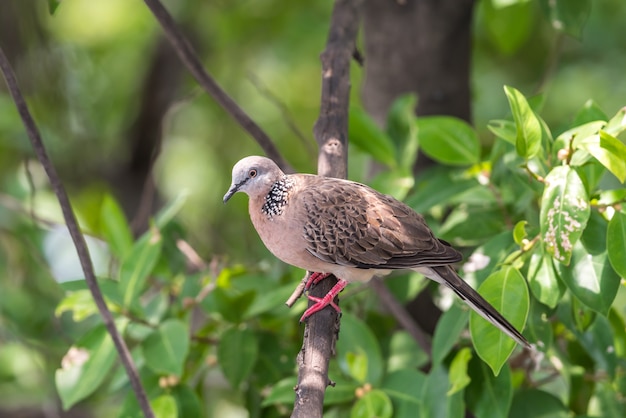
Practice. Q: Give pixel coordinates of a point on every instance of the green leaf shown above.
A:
(165, 350)
(405, 387)
(437, 186)
(617, 124)
(590, 112)
(187, 401)
(458, 371)
(543, 280)
(568, 16)
(616, 242)
(52, 6)
(404, 352)
(504, 129)
(138, 264)
(508, 27)
(435, 401)
(448, 140)
(519, 232)
(282, 392)
(537, 403)
(374, 403)
(237, 352)
(115, 227)
(164, 407)
(85, 366)
(506, 291)
(448, 332)
(396, 183)
(488, 395)
(402, 130)
(366, 135)
(528, 138)
(358, 341)
(591, 279)
(564, 212)
(609, 151)
(539, 325)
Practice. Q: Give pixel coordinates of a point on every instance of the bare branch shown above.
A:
(189, 57)
(331, 134)
(74, 230)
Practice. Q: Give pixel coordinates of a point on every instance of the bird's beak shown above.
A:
(233, 189)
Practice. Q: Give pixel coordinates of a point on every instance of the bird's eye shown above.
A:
(252, 173)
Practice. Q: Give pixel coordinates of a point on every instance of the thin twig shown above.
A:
(74, 230)
(190, 59)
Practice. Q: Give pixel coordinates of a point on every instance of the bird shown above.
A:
(327, 226)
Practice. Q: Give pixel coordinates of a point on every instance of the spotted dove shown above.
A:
(333, 226)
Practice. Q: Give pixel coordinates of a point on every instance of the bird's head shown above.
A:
(254, 176)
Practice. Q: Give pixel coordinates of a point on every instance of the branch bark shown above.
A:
(190, 59)
(331, 134)
(75, 233)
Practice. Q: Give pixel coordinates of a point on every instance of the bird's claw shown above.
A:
(320, 303)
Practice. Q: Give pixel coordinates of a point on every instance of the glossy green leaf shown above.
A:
(617, 124)
(115, 227)
(594, 236)
(458, 371)
(236, 353)
(164, 407)
(599, 343)
(487, 395)
(543, 280)
(591, 279)
(187, 401)
(366, 135)
(358, 346)
(519, 232)
(85, 366)
(448, 140)
(402, 130)
(537, 403)
(374, 403)
(568, 16)
(138, 264)
(405, 388)
(396, 183)
(448, 332)
(539, 325)
(435, 401)
(508, 26)
(528, 127)
(564, 212)
(504, 129)
(610, 151)
(435, 187)
(616, 242)
(506, 290)
(165, 350)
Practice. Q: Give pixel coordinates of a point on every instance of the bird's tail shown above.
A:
(446, 275)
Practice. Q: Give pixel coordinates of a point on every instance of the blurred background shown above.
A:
(113, 102)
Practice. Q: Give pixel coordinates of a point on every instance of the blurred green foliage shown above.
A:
(216, 339)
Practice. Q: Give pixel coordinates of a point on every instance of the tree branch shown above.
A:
(331, 134)
(74, 230)
(189, 57)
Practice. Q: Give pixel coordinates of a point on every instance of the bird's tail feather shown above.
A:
(446, 275)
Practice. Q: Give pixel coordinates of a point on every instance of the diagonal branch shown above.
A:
(189, 57)
(331, 134)
(74, 230)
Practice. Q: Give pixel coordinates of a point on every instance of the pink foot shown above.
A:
(328, 299)
(315, 278)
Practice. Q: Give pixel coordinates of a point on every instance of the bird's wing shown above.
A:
(352, 225)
